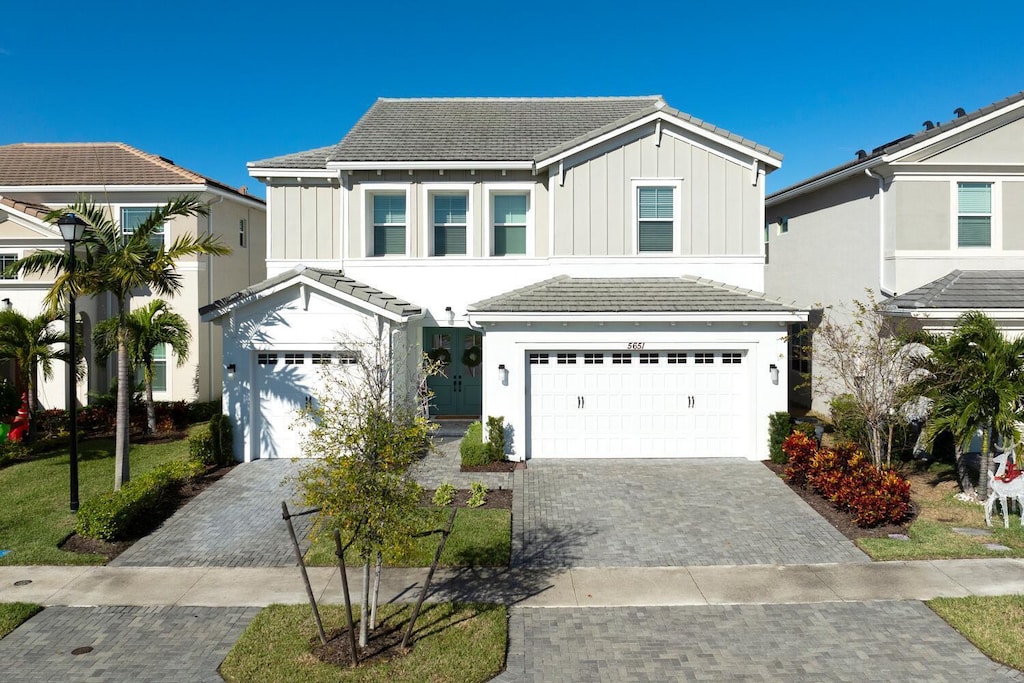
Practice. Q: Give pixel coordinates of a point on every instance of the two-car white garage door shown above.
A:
(646, 404)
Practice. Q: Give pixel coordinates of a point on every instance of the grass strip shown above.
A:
(13, 614)
(460, 643)
(995, 625)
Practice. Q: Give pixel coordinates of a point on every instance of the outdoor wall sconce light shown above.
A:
(451, 315)
(503, 372)
(231, 369)
(774, 370)
(7, 304)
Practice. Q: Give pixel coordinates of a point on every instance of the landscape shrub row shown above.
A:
(848, 480)
(140, 504)
(475, 451)
(100, 418)
(211, 443)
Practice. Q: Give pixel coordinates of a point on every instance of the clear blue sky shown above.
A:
(214, 85)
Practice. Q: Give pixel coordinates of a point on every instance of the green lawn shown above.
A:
(480, 538)
(34, 497)
(457, 643)
(994, 624)
(939, 512)
(13, 614)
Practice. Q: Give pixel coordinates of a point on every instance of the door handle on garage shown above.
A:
(579, 402)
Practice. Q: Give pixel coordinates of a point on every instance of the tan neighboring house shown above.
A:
(589, 269)
(38, 177)
(937, 209)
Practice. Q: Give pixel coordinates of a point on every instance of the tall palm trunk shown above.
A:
(961, 470)
(150, 406)
(122, 472)
(986, 462)
(30, 399)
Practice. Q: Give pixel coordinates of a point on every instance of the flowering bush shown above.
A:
(848, 480)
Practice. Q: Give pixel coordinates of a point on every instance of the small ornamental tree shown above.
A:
(364, 433)
(865, 360)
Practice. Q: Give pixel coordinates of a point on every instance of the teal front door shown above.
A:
(459, 389)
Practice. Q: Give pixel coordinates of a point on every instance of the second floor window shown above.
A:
(5, 262)
(449, 224)
(134, 216)
(388, 224)
(974, 215)
(510, 223)
(655, 219)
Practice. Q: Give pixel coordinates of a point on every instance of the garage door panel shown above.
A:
(654, 408)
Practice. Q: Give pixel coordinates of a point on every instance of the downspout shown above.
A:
(209, 296)
(881, 232)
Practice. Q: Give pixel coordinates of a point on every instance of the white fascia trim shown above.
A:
(953, 314)
(823, 182)
(702, 316)
(962, 252)
(664, 117)
(518, 261)
(253, 202)
(429, 165)
(259, 173)
(427, 215)
(303, 280)
(924, 144)
(103, 188)
(976, 175)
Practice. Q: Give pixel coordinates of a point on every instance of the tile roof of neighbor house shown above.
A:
(483, 129)
(28, 208)
(906, 141)
(966, 290)
(331, 278)
(685, 294)
(94, 163)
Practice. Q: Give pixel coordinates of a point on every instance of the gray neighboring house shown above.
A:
(902, 215)
(589, 269)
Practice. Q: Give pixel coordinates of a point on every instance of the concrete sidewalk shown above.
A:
(578, 587)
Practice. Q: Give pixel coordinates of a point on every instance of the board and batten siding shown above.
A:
(719, 205)
(305, 221)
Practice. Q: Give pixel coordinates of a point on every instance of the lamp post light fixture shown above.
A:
(72, 228)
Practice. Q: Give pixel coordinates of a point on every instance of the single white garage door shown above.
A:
(287, 380)
(647, 404)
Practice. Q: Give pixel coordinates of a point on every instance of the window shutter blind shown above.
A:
(656, 203)
(449, 239)
(656, 236)
(974, 231)
(510, 208)
(975, 197)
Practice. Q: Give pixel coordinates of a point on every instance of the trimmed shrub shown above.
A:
(779, 426)
(203, 411)
(139, 505)
(799, 450)
(848, 419)
(444, 495)
(172, 415)
(211, 444)
(477, 494)
(496, 437)
(473, 449)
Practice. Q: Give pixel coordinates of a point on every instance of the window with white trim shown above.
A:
(243, 228)
(6, 261)
(294, 359)
(449, 211)
(648, 359)
(134, 216)
(974, 214)
(509, 222)
(703, 358)
(593, 359)
(159, 369)
(348, 357)
(322, 358)
(675, 358)
(538, 359)
(566, 358)
(266, 358)
(388, 213)
(732, 358)
(655, 218)
(622, 358)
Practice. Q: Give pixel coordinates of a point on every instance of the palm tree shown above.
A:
(119, 263)
(148, 327)
(975, 381)
(33, 345)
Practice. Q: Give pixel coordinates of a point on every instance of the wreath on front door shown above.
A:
(440, 355)
(472, 356)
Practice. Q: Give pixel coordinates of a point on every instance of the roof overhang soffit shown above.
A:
(954, 314)
(305, 284)
(665, 317)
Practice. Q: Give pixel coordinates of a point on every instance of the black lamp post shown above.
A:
(71, 229)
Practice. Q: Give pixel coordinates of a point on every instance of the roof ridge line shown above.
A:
(162, 162)
(746, 291)
(557, 98)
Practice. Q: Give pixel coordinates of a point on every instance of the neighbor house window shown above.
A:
(5, 262)
(159, 369)
(388, 224)
(655, 218)
(242, 229)
(974, 215)
(783, 225)
(134, 216)
(509, 213)
(450, 223)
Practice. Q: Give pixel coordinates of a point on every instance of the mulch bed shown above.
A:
(382, 643)
(842, 521)
(497, 499)
(500, 466)
(80, 544)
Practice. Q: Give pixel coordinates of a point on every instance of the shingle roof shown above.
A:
(906, 141)
(966, 290)
(94, 163)
(35, 210)
(483, 129)
(630, 295)
(330, 278)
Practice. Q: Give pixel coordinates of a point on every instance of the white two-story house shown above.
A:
(589, 268)
(36, 178)
(926, 214)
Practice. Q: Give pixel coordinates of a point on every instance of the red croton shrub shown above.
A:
(847, 479)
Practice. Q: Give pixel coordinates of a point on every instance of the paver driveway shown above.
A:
(658, 513)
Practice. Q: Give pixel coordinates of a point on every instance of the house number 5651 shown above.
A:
(634, 346)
